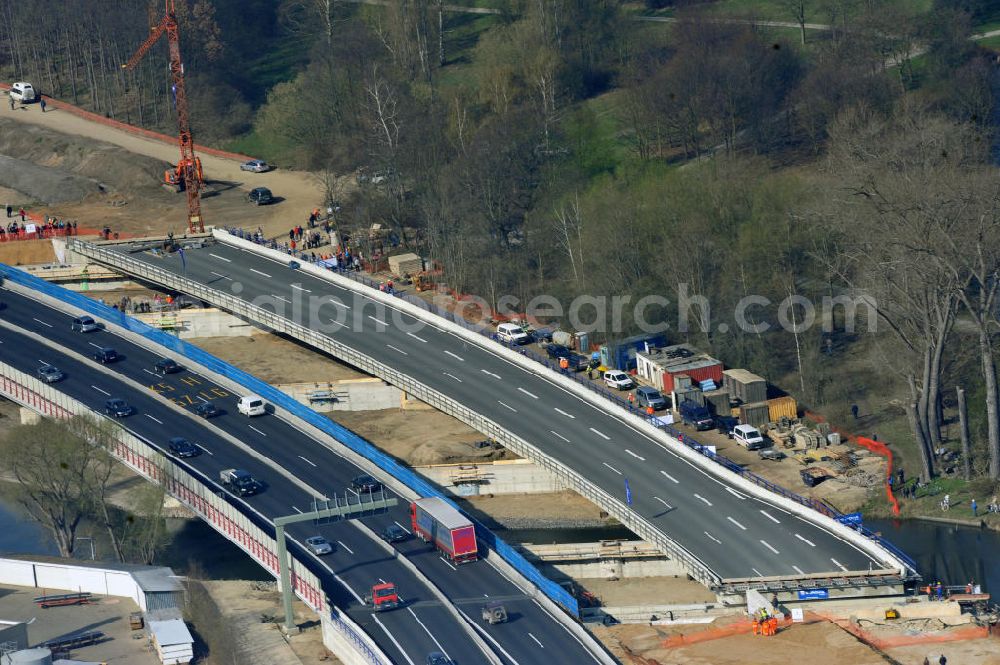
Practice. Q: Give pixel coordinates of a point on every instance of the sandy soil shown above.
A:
(647, 590)
(27, 252)
(276, 360)
(131, 167)
(563, 506)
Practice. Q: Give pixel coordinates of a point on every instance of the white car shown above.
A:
(748, 436)
(251, 405)
(23, 92)
(255, 166)
(618, 379)
(319, 545)
(512, 334)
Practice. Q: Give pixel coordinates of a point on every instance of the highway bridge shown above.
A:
(296, 469)
(726, 530)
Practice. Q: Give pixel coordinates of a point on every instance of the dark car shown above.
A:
(366, 483)
(726, 425)
(260, 196)
(117, 407)
(206, 410)
(166, 366)
(49, 374)
(394, 534)
(105, 355)
(181, 447)
(576, 361)
(558, 351)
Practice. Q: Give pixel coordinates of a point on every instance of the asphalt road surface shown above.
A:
(734, 534)
(408, 634)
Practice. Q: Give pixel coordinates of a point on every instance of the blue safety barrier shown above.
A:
(254, 385)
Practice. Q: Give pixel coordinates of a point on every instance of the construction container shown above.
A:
(744, 385)
(782, 407)
(562, 338)
(690, 395)
(405, 264)
(582, 342)
(717, 402)
(682, 382)
(754, 414)
(620, 354)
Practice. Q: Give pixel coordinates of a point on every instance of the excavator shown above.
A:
(173, 178)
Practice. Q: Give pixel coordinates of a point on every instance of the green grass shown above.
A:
(278, 62)
(992, 43)
(269, 148)
(774, 10)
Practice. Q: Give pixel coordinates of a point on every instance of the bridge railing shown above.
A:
(617, 508)
(197, 493)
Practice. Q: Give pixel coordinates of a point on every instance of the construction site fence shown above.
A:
(196, 492)
(281, 400)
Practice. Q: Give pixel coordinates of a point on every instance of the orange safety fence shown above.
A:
(131, 129)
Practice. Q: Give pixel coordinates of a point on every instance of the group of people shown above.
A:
(765, 624)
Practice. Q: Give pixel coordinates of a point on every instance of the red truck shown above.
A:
(435, 520)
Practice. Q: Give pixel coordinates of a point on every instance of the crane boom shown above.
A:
(189, 166)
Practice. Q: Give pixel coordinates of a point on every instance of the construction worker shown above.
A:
(564, 363)
(649, 411)
(774, 625)
(756, 626)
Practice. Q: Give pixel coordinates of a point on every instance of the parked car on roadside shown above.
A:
(255, 166)
(260, 196)
(23, 92)
(512, 334)
(618, 379)
(749, 437)
(649, 396)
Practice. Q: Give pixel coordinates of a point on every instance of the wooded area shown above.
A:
(561, 147)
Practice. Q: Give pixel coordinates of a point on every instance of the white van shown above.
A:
(251, 405)
(23, 92)
(748, 437)
(512, 334)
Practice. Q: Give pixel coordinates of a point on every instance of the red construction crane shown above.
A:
(188, 170)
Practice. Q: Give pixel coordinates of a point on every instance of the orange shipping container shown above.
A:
(782, 407)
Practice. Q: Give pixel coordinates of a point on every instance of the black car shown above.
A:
(105, 355)
(117, 407)
(558, 351)
(577, 362)
(206, 410)
(394, 534)
(260, 196)
(166, 366)
(181, 447)
(49, 374)
(366, 483)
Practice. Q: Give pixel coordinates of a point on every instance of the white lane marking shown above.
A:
(531, 395)
(220, 275)
(600, 434)
(669, 477)
(341, 543)
(48, 325)
(806, 541)
(507, 405)
(310, 463)
(296, 286)
(713, 537)
(221, 258)
(263, 274)
(205, 449)
(396, 348)
(770, 517)
(768, 546)
(839, 565)
(104, 392)
(536, 640)
(736, 523)
(346, 585)
(638, 457)
(296, 510)
(453, 376)
(486, 371)
(736, 494)
(456, 357)
(44, 363)
(393, 639)
(759, 574)
(336, 302)
(799, 570)
(256, 430)
(559, 435)
(149, 372)
(96, 346)
(612, 468)
(669, 507)
(401, 526)
(568, 415)
(155, 420)
(378, 320)
(428, 632)
(447, 563)
(281, 298)
(707, 502)
(489, 637)
(419, 339)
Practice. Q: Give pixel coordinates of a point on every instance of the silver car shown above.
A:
(255, 166)
(319, 545)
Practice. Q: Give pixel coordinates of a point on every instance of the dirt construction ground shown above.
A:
(62, 165)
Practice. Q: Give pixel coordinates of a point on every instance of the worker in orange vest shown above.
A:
(564, 363)
(756, 626)
(773, 626)
(649, 411)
